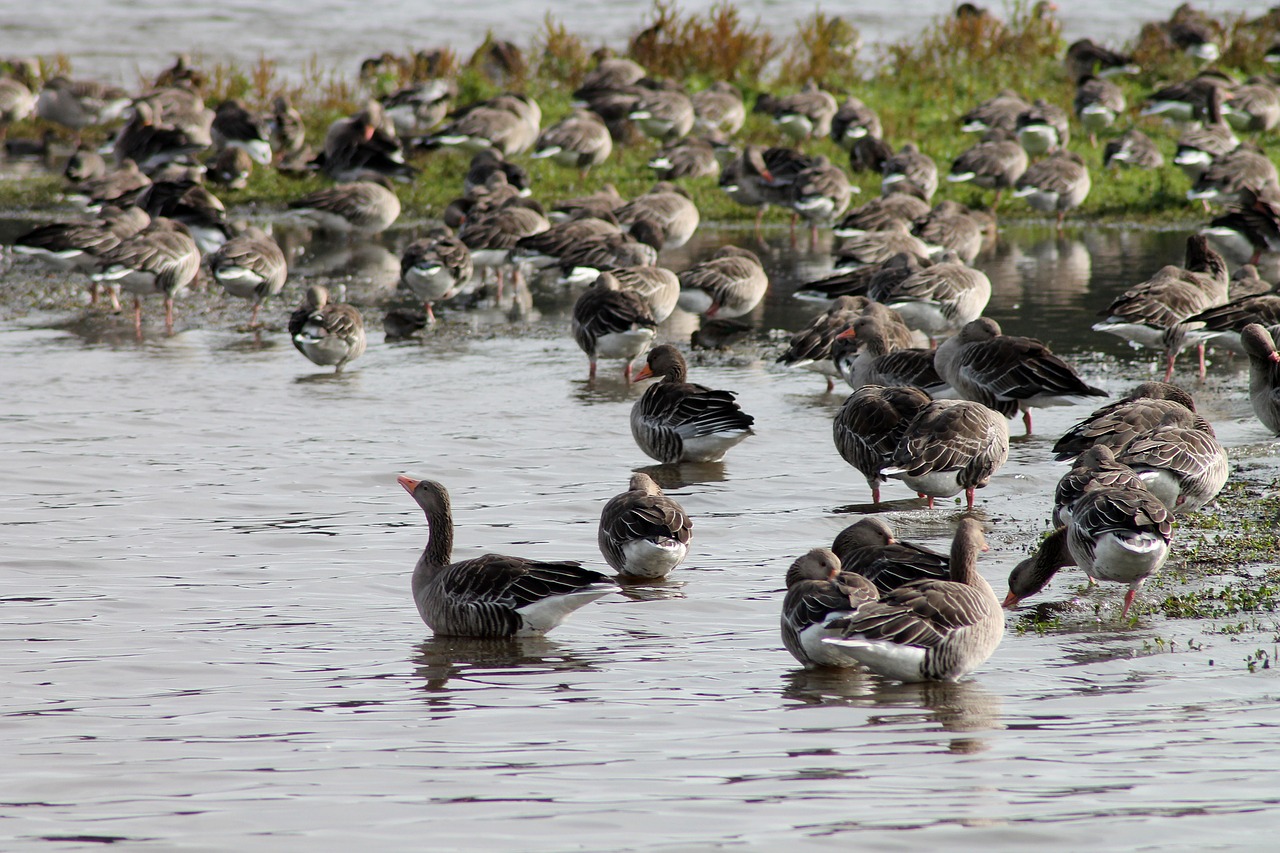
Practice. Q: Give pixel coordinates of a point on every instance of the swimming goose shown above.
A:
(663, 114)
(160, 259)
(235, 127)
(854, 120)
(718, 109)
(1058, 183)
(930, 630)
(874, 360)
(361, 207)
(657, 286)
(869, 548)
(579, 140)
(1008, 373)
(910, 164)
(507, 123)
(1232, 175)
(732, 283)
(436, 268)
(1144, 313)
(1087, 57)
(1098, 103)
(1182, 464)
(1119, 535)
(995, 163)
(806, 114)
(1264, 374)
(949, 447)
(820, 193)
(493, 595)
(679, 421)
(1042, 128)
(327, 332)
(1118, 423)
(951, 226)
(818, 593)
(998, 113)
(939, 298)
(609, 322)
(1134, 149)
(669, 208)
(810, 347)
(869, 426)
(903, 205)
(643, 533)
(250, 266)
(1096, 468)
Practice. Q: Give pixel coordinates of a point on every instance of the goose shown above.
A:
(938, 298)
(1253, 107)
(728, 285)
(818, 593)
(878, 361)
(1008, 373)
(1200, 145)
(436, 268)
(1230, 175)
(250, 266)
(192, 204)
(492, 235)
(1098, 103)
(869, 426)
(657, 286)
(544, 249)
(151, 142)
(1146, 312)
(876, 247)
(1182, 464)
(1042, 128)
(807, 114)
(77, 246)
(995, 163)
(1193, 100)
(600, 204)
(78, 104)
(691, 157)
(1133, 149)
(718, 109)
(611, 72)
(1058, 183)
(1249, 225)
(856, 281)
(580, 140)
(507, 123)
(1118, 423)
(1034, 573)
(363, 144)
(492, 596)
(117, 187)
(231, 168)
(1095, 468)
(951, 226)
(416, 109)
(160, 259)
(327, 332)
(901, 206)
(583, 262)
(235, 127)
(930, 630)
(609, 322)
(854, 120)
(910, 164)
(486, 162)
(643, 533)
(678, 421)
(869, 548)
(663, 114)
(1264, 374)
(998, 113)
(1193, 34)
(666, 206)
(288, 136)
(759, 177)
(1224, 325)
(360, 207)
(1087, 57)
(1119, 535)
(949, 447)
(84, 164)
(868, 154)
(810, 347)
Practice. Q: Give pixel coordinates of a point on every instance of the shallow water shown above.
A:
(208, 641)
(122, 41)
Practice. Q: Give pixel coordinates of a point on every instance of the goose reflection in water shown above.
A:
(484, 663)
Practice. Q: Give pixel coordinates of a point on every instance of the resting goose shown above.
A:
(876, 247)
(609, 322)
(807, 114)
(360, 207)
(811, 346)
(1042, 128)
(1231, 176)
(1250, 224)
(854, 120)
(952, 227)
(718, 109)
(235, 127)
(250, 266)
(818, 593)
(930, 630)
(663, 114)
(870, 425)
(1086, 56)
(508, 124)
(759, 177)
(998, 113)
(732, 283)
(1056, 184)
(667, 207)
(643, 533)
(951, 446)
(1098, 103)
(995, 163)
(902, 206)
(327, 332)
(1221, 326)
(1134, 149)
(659, 287)
(580, 140)
(493, 596)
(679, 421)
(1253, 107)
(821, 193)
(939, 298)
(160, 259)
(1264, 374)
(436, 268)
(691, 157)
(869, 548)
(1118, 423)
(1183, 464)
(913, 166)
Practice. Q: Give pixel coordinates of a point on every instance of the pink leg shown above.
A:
(168, 315)
(1168, 369)
(431, 315)
(968, 494)
(626, 373)
(253, 318)
(137, 316)
(929, 498)
(1200, 352)
(831, 385)
(875, 495)
(1128, 602)
(1026, 420)
(592, 374)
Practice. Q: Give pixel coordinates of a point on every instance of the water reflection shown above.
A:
(471, 663)
(680, 475)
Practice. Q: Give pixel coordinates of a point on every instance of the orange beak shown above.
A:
(1010, 601)
(846, 334)
(642, 373)
(407, 483)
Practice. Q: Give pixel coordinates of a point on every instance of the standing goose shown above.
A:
(870, 425)
(1042, 128)
(1086, 56)
(679, 421)
(545, 248)
(160, 259)
(930, 630)
(854, 120)
(952, 227)
(820, 193)
(1252, 219)
(950, 447)
(643, 533)
(669, 208)
(1264, 375)
(1222, 325)
(492, 596)
(807, 114)
(1008, 373)
(818, 593)
(1231, 176)
(117, 187)
(1034, 573)
(1253, 107)
(876, 361)
(76, 246)
(759, 177)
(327, 332)
(416, 109)
(1133, 148)
(1096, 468)
(1146, 312)
(1058, 183)
(1201, 144)
(657, 286)
(732, 283)
(580, 140)
(1118, 423)
(360, 207)
(364, 143)
(609, 322)
(436, 268)
(508, 124)
(1183, 464)
(868, 548)
(1098, 103)
(691, 157)
(998, 113)
(811, 346)
(938, 298)
(583, 262)
(663, 114)
(250, 266)
(718, 109)
(1120, 535)
(911, 165)
(995, 163)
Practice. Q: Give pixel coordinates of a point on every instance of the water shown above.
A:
(125, 40)
(208, 643)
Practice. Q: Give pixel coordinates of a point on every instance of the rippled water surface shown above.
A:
(207, 640)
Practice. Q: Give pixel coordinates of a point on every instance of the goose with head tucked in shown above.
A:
(1182, 464)
(1133, 149)
(869, 548)
(235, 127)
(680, 421)
(1042, 127)
(579, 141)
(953, 227)
(1098, 103)
(1087, 57)
(998, 113)
(436, 268)
(875, 247)
(1096, 468)
(1232, 175)
(911, 165)
(806, 114)
(507, 123)
(657, 286)
(77, 246)
(854, 120)
(995, 163)
(1008, 373)
(1222, 326)
(691, 157)
(643, 533)
(1120, 535)
(78, 104)
(1200, 145)
(930, 630)
(366, 207)
(732, 283)
(663, 114)
(583, 262)
(951, 446)
(667, 207)
(250, 266)
(820, 194)
(1118, 423)
(870, 425)
(938, 298)
(1253, 107)
(493, 595)
(609, 322)
(1056, 184)
(160, 259)
(818, 593)
(327, 332)
(718, 109)
(903, 205)
(1264, 374)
